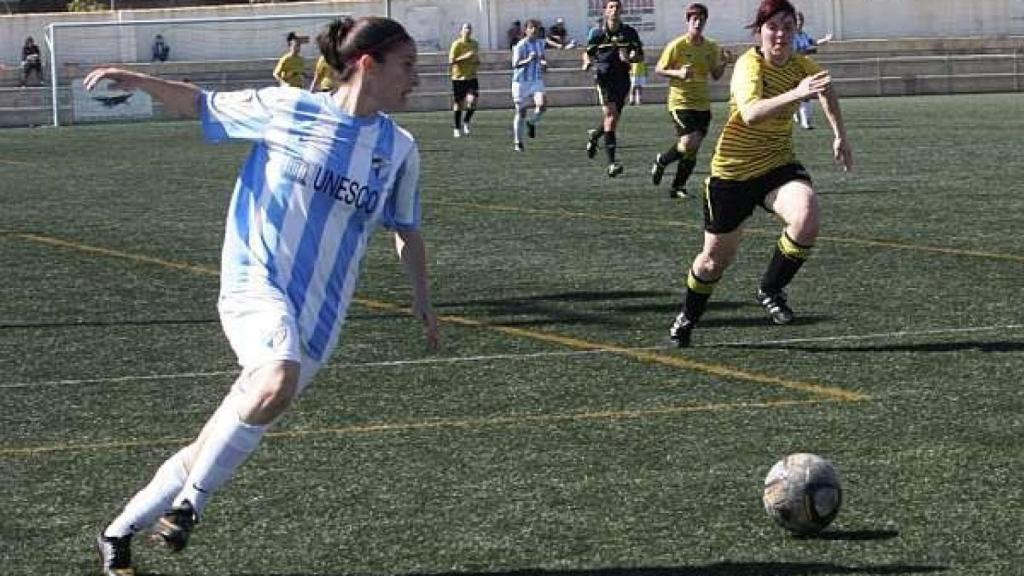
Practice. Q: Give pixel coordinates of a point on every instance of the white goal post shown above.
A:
(79, 46)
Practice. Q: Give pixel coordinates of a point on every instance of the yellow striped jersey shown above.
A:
(326, 75)
(465, 70)
(691, 94)
(748, 151)
(290, 69)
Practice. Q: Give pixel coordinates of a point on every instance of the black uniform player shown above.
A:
(611, 48)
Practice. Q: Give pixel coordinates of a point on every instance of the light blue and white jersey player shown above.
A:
(528, 65)
(316, 184)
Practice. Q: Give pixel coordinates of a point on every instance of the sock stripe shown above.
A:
(698, 285)
(792, 250)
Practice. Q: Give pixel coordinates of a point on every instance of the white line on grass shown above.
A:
(488, 357)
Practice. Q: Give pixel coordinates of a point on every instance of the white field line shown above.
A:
(489, 357)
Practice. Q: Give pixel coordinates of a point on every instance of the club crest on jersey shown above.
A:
(379, 165)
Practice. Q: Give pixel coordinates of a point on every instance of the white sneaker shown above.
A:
(465, 129)
(456, 133)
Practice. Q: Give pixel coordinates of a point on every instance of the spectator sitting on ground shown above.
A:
(558, 38)
(31, 61)
(161, 50)
(514, 34)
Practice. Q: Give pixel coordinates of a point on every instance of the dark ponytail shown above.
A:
(345, 40)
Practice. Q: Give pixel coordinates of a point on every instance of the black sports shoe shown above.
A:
(678, 193)
(775, 305)
(115, 555)
(681, 329)
(614, 169)
(591, 143)
(657, 170)
(531, 129)
(173, 529)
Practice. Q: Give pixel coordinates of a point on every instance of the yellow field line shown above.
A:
(755, 231)
(719, 370)
(470, 423)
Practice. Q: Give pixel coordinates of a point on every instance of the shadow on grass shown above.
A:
(853, 535)
(110, 323)
(997, 346)
(716, 569)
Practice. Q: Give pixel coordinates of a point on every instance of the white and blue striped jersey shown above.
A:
(533, 71)
(315, 185)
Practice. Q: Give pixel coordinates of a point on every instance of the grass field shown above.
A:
(557, 433)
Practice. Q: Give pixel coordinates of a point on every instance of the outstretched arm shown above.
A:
(179, 98)
(412, 251)
(840, 146)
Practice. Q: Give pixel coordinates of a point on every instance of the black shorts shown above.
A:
(727, 203)
(613, 89)
(687, 121)
(461, 88)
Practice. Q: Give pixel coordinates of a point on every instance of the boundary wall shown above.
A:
(859, 68)
(434, 23)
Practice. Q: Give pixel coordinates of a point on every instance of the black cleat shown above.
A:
(776, 307)
(592, 143)
(518, 147)
(531, 129)
(678, 193)
(614, 169)
(115, 555)
(681, 329)
(657, 170)
(173, 529)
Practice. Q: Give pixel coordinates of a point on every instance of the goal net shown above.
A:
(216, 53)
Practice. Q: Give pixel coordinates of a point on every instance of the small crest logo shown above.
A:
(379, 164)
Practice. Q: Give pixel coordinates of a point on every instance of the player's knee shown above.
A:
(805, 221)
(711, 264)
(277, 388)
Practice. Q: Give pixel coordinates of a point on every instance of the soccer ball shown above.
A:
(802, 493)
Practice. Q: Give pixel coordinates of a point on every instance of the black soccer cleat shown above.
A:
(592, 143)
(681, 330)
(657, 170)
(614, 169)
(115, 555)
(679, 193)
(531, 129)
(776, 307)
(173, 529)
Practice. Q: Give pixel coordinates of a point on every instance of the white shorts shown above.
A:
(261, 329)
(522, 92)
(638, 80)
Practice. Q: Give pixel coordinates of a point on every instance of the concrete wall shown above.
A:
(435, 22)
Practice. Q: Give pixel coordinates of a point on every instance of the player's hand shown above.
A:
(814, 85)
(121, 79)
(686, 71)
(843, 153)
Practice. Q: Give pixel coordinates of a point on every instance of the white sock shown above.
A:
(805, 114)
(518, 123)
(230, 443)
(536, 116)
(152, 501)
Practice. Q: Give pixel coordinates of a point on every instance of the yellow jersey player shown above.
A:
(754, 165)
(464, 59)
(687, 62)
(323, 76)
(291, 68)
